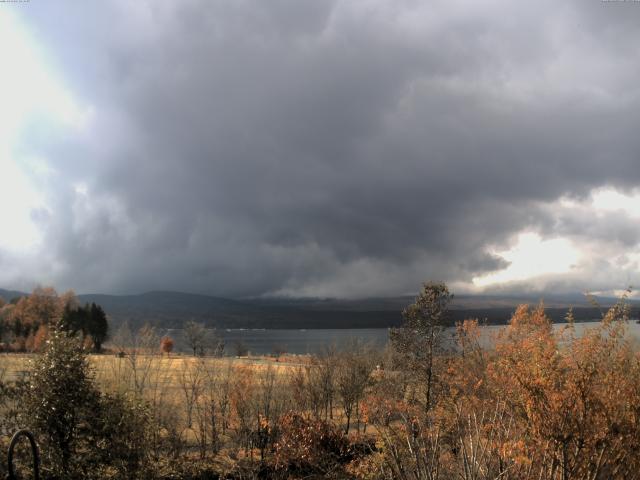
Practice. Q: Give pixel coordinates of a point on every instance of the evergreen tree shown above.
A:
(420, 337)
(82, 434)
(74, 319)
(61, 404)
(98, 326)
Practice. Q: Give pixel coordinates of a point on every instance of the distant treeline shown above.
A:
(294, 319)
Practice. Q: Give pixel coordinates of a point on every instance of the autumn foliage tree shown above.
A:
(22, 317)
(25, 321)
(166, 345)
(542, 402)
(576, 399)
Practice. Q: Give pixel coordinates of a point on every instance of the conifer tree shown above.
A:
(61, 402)
(98, 326)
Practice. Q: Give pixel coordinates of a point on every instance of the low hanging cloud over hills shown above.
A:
(325, 148)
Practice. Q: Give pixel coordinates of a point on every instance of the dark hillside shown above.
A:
(8, 295)
(171, 309)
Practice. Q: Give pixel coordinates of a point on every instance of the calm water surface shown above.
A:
(265, 341)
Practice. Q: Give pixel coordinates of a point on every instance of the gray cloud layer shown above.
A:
(330, 148)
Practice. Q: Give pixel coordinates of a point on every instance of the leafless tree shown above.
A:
(202, 340)
(194, 335)
(353, 377)
(421, 336)
(321, 377)
(190, 379)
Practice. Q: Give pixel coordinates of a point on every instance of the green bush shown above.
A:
(61, 405)
(82, 433)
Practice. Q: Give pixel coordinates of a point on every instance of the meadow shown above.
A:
(111, 371)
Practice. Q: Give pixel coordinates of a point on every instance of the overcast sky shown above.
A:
(320, 148)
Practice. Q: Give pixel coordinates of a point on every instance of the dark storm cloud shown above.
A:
(332, 148)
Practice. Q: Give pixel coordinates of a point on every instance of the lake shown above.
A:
(266, 341)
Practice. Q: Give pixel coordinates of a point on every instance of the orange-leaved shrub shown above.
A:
(306, 446)
(544, 402)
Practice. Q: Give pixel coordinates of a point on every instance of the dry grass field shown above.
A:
(179, 388)
(111, 370)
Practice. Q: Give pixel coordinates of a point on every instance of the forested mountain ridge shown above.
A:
(171, 309)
